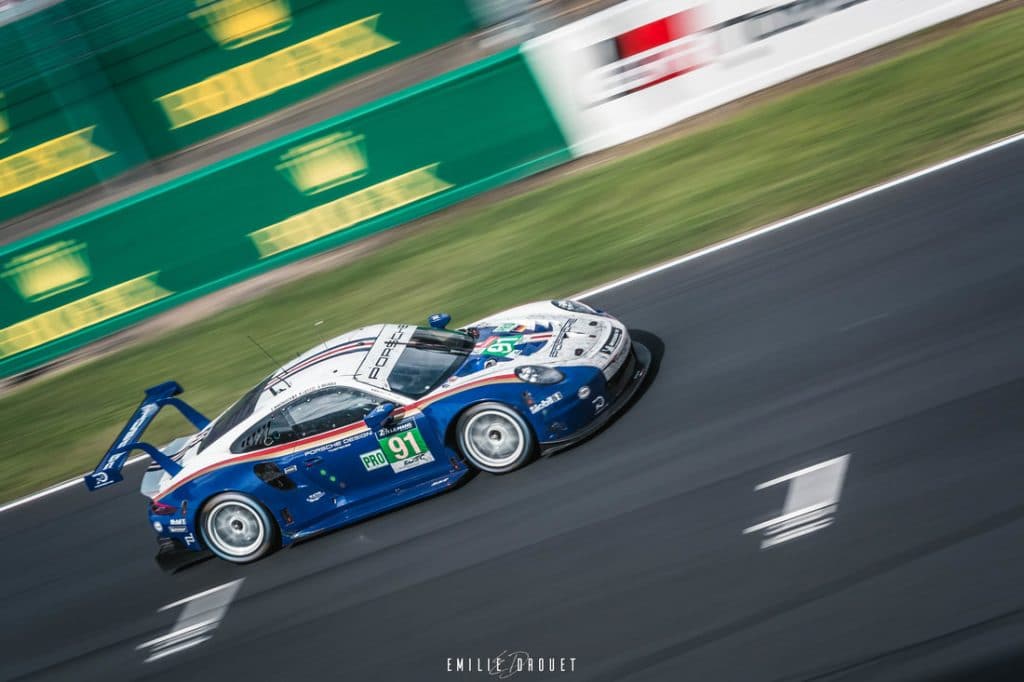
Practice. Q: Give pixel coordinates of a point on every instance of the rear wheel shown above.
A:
(237, 528)
(495, 438)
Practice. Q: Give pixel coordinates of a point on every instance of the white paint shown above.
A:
(811, 499)
(177, 649)
(202, 615)
(568, 62)
(786, 222)
(198, 595)
(796, 474)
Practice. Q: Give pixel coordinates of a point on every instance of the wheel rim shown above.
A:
(494, 438)
(235, 528)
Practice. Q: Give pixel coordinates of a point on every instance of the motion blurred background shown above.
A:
(177, 175)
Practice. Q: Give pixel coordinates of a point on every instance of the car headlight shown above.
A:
(573, 306)
(533, 374)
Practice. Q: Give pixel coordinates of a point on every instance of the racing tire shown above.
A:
(237, 528)
(495, 438)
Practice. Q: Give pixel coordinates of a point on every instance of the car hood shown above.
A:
(534, 335)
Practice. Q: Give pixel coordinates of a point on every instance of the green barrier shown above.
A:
(61, 128)
(386, 163)
(88, 89)
(188, 70)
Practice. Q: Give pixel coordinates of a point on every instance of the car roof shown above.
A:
(333, 362)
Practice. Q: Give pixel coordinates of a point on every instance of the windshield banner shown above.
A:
(386, 350)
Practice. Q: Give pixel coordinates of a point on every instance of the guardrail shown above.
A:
(359, 173)
(89, 90)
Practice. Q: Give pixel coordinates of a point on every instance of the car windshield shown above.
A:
(430, 357)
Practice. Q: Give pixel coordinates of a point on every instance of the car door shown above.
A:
(355, 466)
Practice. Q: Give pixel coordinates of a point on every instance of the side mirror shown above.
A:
(379, 417)
(439, 320)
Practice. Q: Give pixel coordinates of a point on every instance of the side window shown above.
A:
(328, 409)
(273, 429)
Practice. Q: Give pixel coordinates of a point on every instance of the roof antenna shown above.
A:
(315, 325)
(276, 363)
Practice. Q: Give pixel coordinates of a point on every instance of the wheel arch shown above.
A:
(450, 439)
(276, 532)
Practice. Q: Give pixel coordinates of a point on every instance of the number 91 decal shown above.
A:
(401, 451)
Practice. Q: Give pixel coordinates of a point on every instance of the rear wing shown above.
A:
(108, 471)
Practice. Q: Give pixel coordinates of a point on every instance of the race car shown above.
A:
(375, 419)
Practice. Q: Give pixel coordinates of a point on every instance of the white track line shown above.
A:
(57, 488)
(786, 222)
(800, 472)
(677, 261)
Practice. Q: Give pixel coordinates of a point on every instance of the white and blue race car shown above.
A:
(375, 419)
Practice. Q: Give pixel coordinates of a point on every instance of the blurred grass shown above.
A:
(772, 160)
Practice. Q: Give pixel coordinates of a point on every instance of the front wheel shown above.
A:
(237, 528)
(494, 438)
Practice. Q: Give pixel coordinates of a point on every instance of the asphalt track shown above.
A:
(890, 330)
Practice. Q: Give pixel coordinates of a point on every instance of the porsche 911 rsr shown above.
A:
(375, 419)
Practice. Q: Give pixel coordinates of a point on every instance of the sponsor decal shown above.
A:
(556, 346)
(146, 413)
(391, 430)
(315, 496)
(348, 211)
(352, 439)
(291, 469)
(613, 341)
(177, 522)
(273, 72)
(158, 527)
(502, 346)
(406, 450)
(114, 461)
(85, 312)
(49, 160)
(328, 447)
(679, 43)
(374, 460)
(100, 479)
(747, 29)
(189, 540)
(647, 55)
(412, 462)
(599, 404)
(386, 349)
(546, 403)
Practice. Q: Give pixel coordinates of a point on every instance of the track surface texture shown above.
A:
(890, 330)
